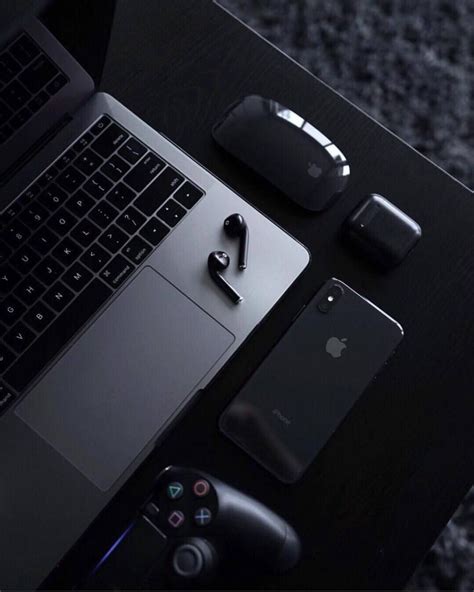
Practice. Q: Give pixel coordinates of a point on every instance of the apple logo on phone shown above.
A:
(314, 170)
(336, 346)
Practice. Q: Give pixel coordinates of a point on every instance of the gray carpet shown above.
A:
(409, 64)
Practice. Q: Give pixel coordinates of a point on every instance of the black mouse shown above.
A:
(286, 149)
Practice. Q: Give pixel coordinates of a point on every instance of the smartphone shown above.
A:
(308, 383)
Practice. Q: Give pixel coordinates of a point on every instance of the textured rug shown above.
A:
(409, 64)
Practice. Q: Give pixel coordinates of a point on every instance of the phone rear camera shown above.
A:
(330, 299)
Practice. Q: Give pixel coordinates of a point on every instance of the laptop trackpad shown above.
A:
(123, 380)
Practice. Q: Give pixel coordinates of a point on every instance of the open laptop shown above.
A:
(109, 321)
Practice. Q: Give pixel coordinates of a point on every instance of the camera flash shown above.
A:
(330, 298)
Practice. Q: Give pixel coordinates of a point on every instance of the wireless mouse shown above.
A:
(285, 149)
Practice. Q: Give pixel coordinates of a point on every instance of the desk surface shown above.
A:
(372, 503)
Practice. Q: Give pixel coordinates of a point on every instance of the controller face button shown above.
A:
(201, 488)
(175, 490)
(176, 518)
(202, 516)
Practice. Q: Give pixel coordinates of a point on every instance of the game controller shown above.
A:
(192, 530)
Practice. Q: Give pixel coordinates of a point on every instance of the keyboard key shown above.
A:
(34, 215)
(10, 213)
(9, 67)
(5, 113)
(43, 240)
(98, 185)
(111, 139)
(15, 95)
(144, 172)
(25, 369)
(121, 196)
(70, 179)
(48, 176)
(20, 118)
(62, 222)
(48, 271)
(132, 151)
(77, 277)
(53, 197)
(159, 191)
(115, 168)
(24, 260)
(80, 203)
(100, 126)
(83, 142)
(57, 84)
(88, 162)
(30, 194)
(131, 220)
(67, 251)
(6, 358)
(15, 234)
(137, 250)
(11, 310)
(113, 239)
(38, 101)
(103, 214)
(85, 232)
(171, 213)
(95, 258)
(19, 338)
(8, 279)
(24, 50)
(117, 271)
(154, 231)
(58, 297)
(38, 74)
(65, 159)
(5, 252)
(39, 317)
(29, 290)
(6, 397)
(5, 132)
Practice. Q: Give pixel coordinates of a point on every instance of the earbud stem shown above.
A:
(244, 249)
(226, 287)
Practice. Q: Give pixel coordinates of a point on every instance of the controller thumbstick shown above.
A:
(194, 559)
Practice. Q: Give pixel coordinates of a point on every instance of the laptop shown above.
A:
(109, 321)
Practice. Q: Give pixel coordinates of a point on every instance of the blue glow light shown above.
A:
(113, 547)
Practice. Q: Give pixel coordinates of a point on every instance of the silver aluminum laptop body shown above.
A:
(92, 416)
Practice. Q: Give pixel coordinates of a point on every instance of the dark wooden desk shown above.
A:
(376, 497)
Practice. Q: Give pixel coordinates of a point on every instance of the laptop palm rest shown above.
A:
(132, 371)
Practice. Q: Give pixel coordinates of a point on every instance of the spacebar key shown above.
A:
(28, 366)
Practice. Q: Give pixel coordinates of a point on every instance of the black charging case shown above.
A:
(381, 231)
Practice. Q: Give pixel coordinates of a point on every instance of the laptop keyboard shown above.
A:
(28, 80)
(73, 237)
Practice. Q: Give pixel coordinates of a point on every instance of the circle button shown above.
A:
(201, 488)
(202, 516)
(175, 490)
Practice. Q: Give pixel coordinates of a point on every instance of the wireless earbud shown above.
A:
(217, 262)
(236, 227)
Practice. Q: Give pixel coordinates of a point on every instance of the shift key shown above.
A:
(144, 172)
(49, 343)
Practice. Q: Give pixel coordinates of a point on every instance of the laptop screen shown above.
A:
(33, 83)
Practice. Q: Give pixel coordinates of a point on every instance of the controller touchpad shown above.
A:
(125, 378)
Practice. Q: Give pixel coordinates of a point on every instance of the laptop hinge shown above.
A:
(34, 149)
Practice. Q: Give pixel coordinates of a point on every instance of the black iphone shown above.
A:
(305, 387)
